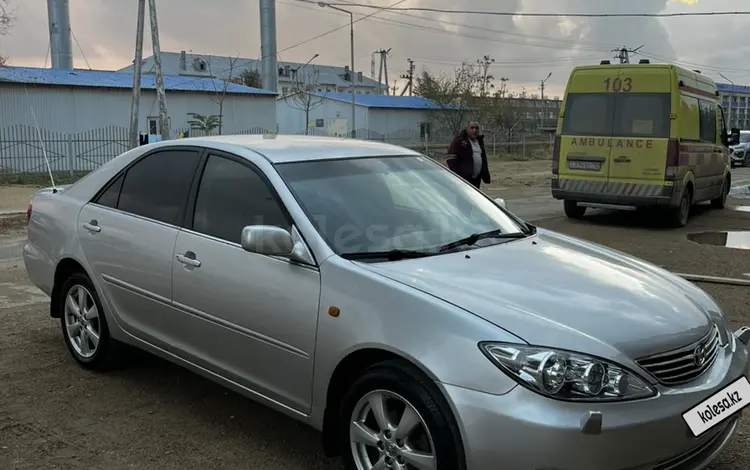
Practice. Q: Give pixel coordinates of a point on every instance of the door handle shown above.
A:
(92, 226)
(622, 160)
(188, 261)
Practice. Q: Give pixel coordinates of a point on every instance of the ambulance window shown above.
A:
(708, 121)
(642, 115)
(588, 114)
(690, 127)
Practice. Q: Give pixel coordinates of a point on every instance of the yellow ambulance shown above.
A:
(641, 135)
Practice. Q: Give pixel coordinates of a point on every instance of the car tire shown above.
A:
(680, 215)
(398, 388)
(721, 201)
(746, 161)
(84, 326)
(573, 210)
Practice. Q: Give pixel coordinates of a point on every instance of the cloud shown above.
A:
(525, 49)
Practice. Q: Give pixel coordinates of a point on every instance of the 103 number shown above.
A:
(618, 84)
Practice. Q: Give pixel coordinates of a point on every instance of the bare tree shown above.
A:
(6, 21)
(302, 96)
(455, 95)
(220, 91)
(506, 112)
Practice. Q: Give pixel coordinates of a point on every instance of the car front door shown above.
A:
(128, 232)
(248, 317)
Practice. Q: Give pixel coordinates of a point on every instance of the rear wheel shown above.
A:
(84, 327)
(573, 210)
(721, 201)
(679, 215)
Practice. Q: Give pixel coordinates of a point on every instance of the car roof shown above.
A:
(297, 148)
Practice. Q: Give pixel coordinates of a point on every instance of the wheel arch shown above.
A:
(63, 270)
(346, 372)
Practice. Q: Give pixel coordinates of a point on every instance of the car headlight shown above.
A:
(566, 375)
(739, 153)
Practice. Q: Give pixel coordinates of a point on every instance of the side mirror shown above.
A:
(267, 240)
(500, 202)
(734, 136)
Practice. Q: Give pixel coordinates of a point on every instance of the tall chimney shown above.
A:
(61, 50)
(269, 67)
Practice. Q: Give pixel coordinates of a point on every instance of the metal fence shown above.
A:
(23, 148)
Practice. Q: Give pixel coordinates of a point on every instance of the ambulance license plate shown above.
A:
(584, 165)
(718, 407)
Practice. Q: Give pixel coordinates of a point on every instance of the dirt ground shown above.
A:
(153, 415)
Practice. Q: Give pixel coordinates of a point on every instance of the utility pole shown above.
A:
(731, 95)
(163, 115)
(623, 54)
(544, 102)
(383, 68)
(137, 71)
(409, 76)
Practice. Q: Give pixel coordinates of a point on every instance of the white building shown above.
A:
(396, 119)
(328, 78)
(84, 116)
(735, 99)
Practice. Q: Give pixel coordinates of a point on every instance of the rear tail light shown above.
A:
(673, 159)
(28, 213)
(556, 156)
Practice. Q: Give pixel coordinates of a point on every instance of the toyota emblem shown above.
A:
(699, 355)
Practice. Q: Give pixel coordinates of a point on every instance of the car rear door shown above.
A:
(587, 131)
(640, 130)
(128, 232)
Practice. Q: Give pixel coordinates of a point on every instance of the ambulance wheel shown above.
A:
(573, 210)
(721, 201)
(679, 215)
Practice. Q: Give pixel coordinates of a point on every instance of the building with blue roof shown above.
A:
(735, 99)
(387, 117)
(80, 101)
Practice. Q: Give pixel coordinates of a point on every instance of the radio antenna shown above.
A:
(41, 141)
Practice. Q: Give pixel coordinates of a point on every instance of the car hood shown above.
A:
(558, 291)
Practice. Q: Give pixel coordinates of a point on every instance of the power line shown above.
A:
(550, 15)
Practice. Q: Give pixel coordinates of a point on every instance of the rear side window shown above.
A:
(157, 187)
(636, 115)
(708, 121)
(111, 195)
(232, 196)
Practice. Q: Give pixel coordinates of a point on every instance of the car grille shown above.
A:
(683, 365)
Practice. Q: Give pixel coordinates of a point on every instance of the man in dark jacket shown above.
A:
(467, 156)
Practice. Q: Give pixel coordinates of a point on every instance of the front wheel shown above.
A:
(394, 418)
(573, 210)
(721, 201)
(679, 215)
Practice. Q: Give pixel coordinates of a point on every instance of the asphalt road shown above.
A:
(537, 202)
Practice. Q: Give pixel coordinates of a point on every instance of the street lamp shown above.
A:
(351, 72)
(544, 103)
(729, 111)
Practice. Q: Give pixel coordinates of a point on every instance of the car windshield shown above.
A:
(744, 137)
(405, 203)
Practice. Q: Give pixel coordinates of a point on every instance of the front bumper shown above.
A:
(526, 431)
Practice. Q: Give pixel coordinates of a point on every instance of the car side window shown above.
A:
(111, 195)
(232, 196)
(157, 187)
(707, 121)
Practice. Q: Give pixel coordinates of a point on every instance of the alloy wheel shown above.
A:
(388, 433)
(82, 323)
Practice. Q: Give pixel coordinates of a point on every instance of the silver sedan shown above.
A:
(367, 291)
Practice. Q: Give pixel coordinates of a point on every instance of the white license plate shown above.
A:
(718, 407)
(584, 165)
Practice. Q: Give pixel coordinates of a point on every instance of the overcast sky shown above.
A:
(525, 49)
